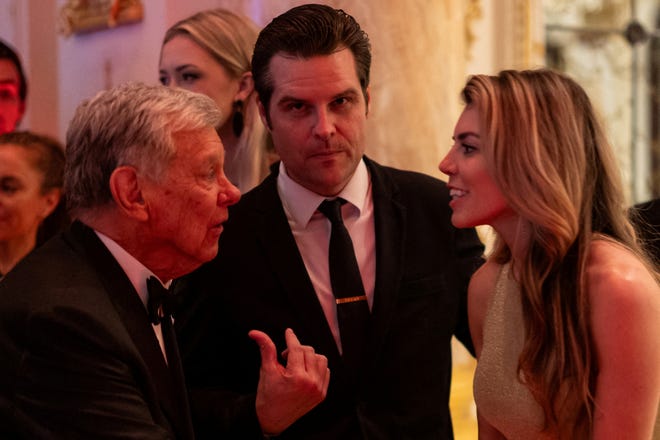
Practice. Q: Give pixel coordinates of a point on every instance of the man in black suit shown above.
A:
(85, 353)
(311, 71)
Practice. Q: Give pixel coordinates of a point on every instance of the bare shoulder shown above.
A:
(625, 321)
(480, 291)
(482, 283)
(616, 277)
(623, 292)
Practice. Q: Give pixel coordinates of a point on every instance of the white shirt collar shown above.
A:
(136, 272)
(301, 203)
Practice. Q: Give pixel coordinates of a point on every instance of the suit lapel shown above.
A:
(281, 249)
(389, 225)
(132, 313)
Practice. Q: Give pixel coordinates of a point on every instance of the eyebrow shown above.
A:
(348, 92)
(185, 66)
(465, 134)
(179, 68)
(10, 178)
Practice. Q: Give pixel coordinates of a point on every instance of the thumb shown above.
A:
(266, 346)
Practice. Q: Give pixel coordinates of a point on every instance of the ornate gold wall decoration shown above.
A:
(519, 29)
(473, 13)
(79, 16)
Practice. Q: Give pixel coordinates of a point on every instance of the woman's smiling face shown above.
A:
(475, 196)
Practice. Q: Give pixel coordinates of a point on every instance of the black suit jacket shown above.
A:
(79, 358)
(259, 281)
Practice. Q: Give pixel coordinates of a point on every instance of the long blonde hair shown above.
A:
(551, 160)
(229, 38)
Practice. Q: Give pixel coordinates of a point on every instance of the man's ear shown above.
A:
(262, 114)
(127, 193)
(368, 98)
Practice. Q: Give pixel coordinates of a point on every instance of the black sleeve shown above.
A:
(221, 401)
(470, 253)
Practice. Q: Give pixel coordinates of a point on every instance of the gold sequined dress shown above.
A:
(501, 398)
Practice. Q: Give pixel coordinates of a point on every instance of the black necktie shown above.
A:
(347, 287)
(161, 306)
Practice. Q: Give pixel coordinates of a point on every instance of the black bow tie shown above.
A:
(161, 301)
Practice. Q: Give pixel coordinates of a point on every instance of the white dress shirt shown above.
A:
(137, 274)
(311, 230)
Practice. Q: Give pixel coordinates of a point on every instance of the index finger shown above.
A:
(295, 357)
(291, 339)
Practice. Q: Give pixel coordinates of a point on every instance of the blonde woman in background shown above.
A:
(210, 53)
(565, 313)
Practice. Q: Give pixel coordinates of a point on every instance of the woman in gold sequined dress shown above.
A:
(565, 314)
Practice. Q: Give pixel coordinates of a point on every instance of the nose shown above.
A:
(447, 165)
(228, 194)
(324, 126)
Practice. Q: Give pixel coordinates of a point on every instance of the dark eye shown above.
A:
(164, 80)
(296, 106)
(8, 186)
(342, 102)
(467, 148)
(188, 77)
(7, 95)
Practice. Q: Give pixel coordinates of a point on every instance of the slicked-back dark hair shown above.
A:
(307, 31)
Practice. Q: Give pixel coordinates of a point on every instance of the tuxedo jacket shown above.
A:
(79, 357)
(259, 281)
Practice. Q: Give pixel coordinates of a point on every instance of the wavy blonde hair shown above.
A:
(552, 162)
(229, 38)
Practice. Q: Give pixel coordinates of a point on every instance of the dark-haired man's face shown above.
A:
(11, 105)
(318, 118)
